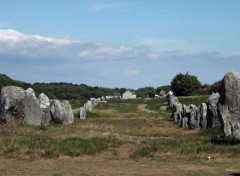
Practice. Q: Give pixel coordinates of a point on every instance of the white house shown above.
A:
(128, 95)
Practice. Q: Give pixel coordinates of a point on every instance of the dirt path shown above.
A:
(142, 108)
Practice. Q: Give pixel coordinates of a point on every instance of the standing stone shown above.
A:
(45, 107)
(62, 112)
(12, 105)
(82, 113)
(177, 113)
(185, 116)
(203, 115)
(192, 120)
(33, 112)
(68, 118)
(229, 105)
(18, 106)
(57, 111)
(212, 114)
(172, 100)
(88, 106)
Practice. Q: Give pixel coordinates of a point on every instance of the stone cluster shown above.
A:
(89, 106)
(221, 110)
(192, 116)
(19, 106)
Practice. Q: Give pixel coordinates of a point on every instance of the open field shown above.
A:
(118, 138)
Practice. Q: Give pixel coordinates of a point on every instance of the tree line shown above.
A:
(181, 84)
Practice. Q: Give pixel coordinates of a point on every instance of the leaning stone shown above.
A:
(229, 105)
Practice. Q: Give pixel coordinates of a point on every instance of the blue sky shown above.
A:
(119, 43)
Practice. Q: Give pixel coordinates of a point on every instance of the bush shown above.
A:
(185, 85)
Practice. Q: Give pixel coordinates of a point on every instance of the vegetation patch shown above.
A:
(196, 100)
(44, 146)
(197, 145)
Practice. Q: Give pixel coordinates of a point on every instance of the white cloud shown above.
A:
(14, 42)
(156, 41)
(36, 59)
(36, 46)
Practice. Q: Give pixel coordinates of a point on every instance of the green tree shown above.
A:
(185, 85)
(146, 92)
(166, 89)
(215, 87)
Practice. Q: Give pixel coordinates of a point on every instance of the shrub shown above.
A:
(185, 85)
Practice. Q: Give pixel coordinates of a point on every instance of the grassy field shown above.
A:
(131, 137)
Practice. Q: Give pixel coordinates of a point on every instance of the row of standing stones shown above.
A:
(221, 110)
(89, 106)
(19, 106)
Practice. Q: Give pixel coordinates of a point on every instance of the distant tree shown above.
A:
(146, 92)
(7, 81)
(185, 85)
(166, 89)
(215, 87)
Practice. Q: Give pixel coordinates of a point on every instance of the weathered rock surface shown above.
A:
(12, 105)
(69, 118)
(192, 120)
(18, 106)
(33, 112)
(45, 107)
(203, 115)
(177, 113)
(229, 105)
(62, 112)
(212, 114)
(172, 100)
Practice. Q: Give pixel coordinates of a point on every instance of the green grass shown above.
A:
(44, 146)
(196, 100)
(150, 134)
(77, 103)
(119, 106)
(197, 145)
(155, 104)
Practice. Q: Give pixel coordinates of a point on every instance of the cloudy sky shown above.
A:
(119, 43)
